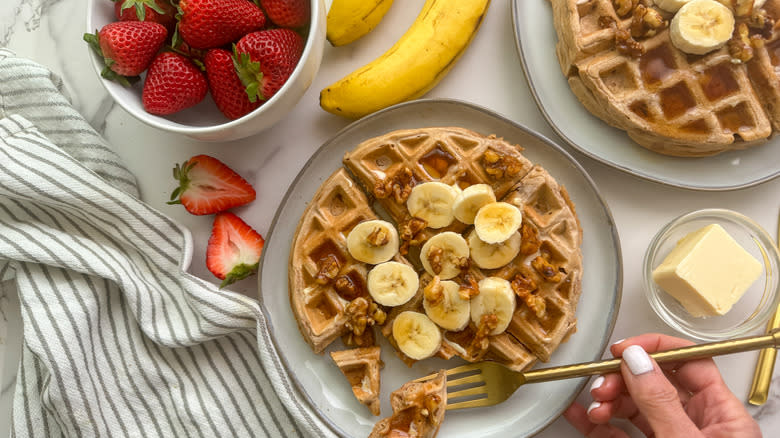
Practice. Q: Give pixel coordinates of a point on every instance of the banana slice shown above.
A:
(444, 255)
(416, 335)
(373, 241)
(701, 26)
(493, 255)
(448, 309)
(392, 283)
(496, 297)
(670, 5)
(432, 202)
(470, 200)
(496, 222)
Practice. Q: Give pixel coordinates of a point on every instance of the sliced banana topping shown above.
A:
(373, 242)
(392, 283)
(416, 335)
(701, 26)
(443, 304)
(470, 200)
(432, 202)
(445, 254)
(493, 255)
(496, 297)
(670, 5)
(496, 222)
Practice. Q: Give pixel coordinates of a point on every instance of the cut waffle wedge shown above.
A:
(361, 367)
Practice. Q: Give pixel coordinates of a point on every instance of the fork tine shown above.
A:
(469, 404)
(477, 390)
(464, 380)
(457, 370)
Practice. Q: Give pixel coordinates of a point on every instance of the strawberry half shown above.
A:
(208, 186)
(265, 60)
(127, 47)
(172, 84)
(204, 24)
(234, 249)
(226, 88)
(287, 13)
(156, 11)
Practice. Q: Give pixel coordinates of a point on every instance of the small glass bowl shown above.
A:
(758, 303)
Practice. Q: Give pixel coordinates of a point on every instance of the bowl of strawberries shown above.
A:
(214, 70)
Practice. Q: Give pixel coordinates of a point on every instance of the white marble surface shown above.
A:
(489, 74)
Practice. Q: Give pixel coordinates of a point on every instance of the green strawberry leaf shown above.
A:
(239, 272)
(250, 75)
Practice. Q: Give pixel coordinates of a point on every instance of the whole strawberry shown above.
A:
(156, 11)
(272, 57)
(204, 24)
(127, 47)
(172, 84)
(234, 249)
(226, 88)
(287, 13)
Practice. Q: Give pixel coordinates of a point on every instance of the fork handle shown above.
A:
(679, 354)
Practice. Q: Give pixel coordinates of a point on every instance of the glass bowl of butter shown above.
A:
(712, 274)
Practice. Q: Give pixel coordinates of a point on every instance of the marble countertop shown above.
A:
(49, 32)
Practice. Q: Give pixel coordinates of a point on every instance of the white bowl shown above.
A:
(204, 121)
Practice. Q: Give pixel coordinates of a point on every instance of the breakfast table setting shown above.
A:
(85, 205)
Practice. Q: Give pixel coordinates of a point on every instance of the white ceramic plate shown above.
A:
(536, 38)
(531, 408)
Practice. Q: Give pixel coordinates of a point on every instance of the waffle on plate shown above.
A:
(632, 76)
(510, 297)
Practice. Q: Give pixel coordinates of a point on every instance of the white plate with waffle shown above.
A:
(531, 409)
(536, 42)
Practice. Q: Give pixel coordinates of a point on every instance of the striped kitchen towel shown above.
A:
(118, 341)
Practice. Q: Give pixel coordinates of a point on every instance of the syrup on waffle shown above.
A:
(666, 100)
(418, 410)
(361, 367)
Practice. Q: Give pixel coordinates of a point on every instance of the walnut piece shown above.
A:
(399, 185)
(378, 237)
(411, 234)
(524, 287)
(646, 22)
(627, 45)
(762, 23)
(739, 44)
(434, 291)
(624, 7)
(435, 256)
(479, 344)
(468, 287)
(329, 267)
(346, 288)
(361, 314)
(499, 165)
(529, 242)
(546, 269)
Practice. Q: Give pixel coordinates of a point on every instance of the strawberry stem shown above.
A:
(250, 75)
(239, 272)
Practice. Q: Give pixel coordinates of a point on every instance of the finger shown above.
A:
(693, 375)
(654, 395)
(577, 416)
(607, 387)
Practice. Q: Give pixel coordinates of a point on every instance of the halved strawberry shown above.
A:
(207, 186)
(234, 249)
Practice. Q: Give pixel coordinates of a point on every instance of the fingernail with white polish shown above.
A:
(593, 406)
(618, 341)
(597, 383)
(637, 360)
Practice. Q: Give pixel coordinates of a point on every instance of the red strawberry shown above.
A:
(156, 11)
(234, 249)
(226, 88)
(207, 186)
(127, 47)
(287, 13)
(204, 24)
(266, 59)
(173, 83)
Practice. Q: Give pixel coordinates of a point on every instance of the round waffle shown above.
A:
(666, 100)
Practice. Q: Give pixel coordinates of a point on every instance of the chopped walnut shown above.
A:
(328, 269)
(361, 314)
(378, 237)
(624, 7)
(529, 239)
(646, 22)
(435, 256)
(468, 287)
(378, 315)
(762, 23)
(434, 291)
(345, 288)
(546, 269)
(627, 45)
(411, 234)
(739, 44)
(479, 344)
(399, 185)
(501, 166)
(366, 339)
(524, 288)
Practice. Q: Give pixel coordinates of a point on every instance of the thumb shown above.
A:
(654, 395)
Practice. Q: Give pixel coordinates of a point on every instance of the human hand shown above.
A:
(676, 399)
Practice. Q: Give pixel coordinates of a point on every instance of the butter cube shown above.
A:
(707, 272)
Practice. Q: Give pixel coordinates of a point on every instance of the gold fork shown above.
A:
(490, 383)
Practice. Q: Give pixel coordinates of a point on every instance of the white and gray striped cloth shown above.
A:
(118, 339)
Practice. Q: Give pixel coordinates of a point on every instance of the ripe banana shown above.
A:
(414, 65)
(496, 222)
(496, 297)
(373, 242)
(670, 5)
(349, 20)
(493, 255)
(450, 311)
(392, 283)
(470, 200)
(432, 202)
(444, 254)
(701, 26)
(416, 335)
